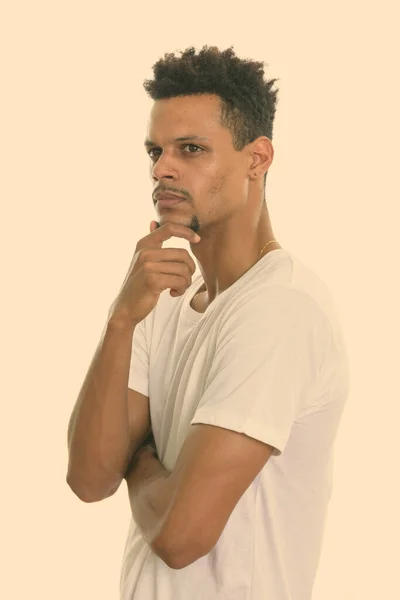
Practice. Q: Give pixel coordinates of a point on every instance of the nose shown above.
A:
(163, 168)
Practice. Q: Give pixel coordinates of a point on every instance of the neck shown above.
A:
(225, 256)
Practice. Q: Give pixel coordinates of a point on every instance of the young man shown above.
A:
(242, 374)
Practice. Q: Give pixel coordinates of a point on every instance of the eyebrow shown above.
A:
(185, 138)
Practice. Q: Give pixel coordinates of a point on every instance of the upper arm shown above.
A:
(213, 470)
(139, 418)
(138, 403)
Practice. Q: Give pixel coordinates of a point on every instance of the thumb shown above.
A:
(153, 226)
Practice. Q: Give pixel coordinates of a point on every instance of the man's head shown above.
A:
(217, 96)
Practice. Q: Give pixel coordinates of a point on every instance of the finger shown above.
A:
(176, 230)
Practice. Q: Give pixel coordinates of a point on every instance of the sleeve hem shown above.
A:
(139, 386)
(263, 434)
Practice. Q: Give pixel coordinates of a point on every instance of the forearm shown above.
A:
(98, 432)
(150, 494)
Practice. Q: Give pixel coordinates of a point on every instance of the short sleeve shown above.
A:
(266, 365)
(139, 365)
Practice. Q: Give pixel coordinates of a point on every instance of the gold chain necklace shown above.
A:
(270, 242)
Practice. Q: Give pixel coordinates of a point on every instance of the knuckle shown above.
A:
(151, 279)
(146, 254)
(147, 266)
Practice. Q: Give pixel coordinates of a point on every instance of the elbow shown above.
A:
(178, 561)
(177, 558)
(89, 494)
(171, 559)
(83, 494)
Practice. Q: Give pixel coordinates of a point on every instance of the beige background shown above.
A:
(76, 198)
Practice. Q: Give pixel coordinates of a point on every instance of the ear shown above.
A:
(261, 156)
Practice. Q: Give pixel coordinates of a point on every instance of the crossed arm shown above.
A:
(182, 514)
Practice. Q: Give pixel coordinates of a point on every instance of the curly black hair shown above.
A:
(248, 103)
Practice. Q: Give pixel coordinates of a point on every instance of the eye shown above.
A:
(193, 146)
(184, 146)
(152, 150)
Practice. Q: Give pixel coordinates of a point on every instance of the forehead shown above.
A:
(185, 115)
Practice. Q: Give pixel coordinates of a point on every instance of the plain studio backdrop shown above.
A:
(76, 198)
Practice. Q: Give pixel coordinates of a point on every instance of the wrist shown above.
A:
(119, 314)
(119, 320)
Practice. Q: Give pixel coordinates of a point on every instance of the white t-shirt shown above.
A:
(268, 359)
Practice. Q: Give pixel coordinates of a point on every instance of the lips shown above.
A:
(166, 202)
(168, 197)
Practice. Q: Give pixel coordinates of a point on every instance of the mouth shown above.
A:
(166, 201)
(167, 195)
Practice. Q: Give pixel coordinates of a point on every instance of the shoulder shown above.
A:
(276, 304)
